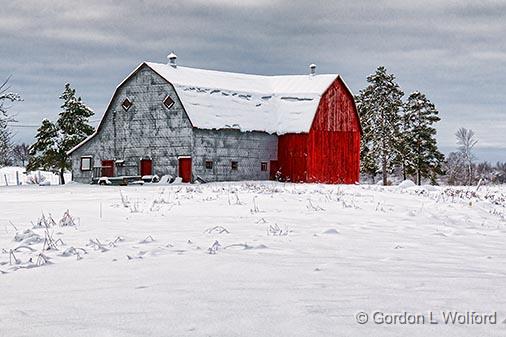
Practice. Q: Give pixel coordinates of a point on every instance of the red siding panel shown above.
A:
(333, 157)
(336, 111)
(292, 157)
(334, 138)
(330, 153)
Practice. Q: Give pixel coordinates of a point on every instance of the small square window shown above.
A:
(263, 166)
(168, 102)
(234, 165)
(209, 164)
(126, 104)
(85, 163)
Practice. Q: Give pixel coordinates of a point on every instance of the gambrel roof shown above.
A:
(224, 100)
(274, 104)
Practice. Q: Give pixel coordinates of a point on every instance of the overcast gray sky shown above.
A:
(454, 51)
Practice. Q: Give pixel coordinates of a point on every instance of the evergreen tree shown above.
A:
(73, 119)
(418, 147)
(368, 163)
(378, 106)
(405, 152)
(54, 140)
(44, 152)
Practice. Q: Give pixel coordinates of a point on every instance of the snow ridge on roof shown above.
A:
(218, 100)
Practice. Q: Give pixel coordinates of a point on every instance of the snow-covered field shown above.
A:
(13, 175)
(249, 259)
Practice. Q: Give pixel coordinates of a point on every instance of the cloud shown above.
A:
(453, 51)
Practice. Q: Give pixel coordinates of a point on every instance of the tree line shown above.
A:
(397, 135)
(53, 139)
(399, 139)
(461, 167)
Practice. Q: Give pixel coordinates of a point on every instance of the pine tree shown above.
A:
(378, 106)
(405, 152)
(418, 146)
(44, 152)
(368, 163)
(73, 119)
(54, 140)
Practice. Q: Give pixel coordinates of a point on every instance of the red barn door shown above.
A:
(292, 157)
(146, 167)
(185, 169)
(107, 168)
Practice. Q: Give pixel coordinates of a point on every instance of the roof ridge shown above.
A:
(239, 73)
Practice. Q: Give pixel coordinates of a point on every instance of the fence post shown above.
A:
(5, 178)
(17, 177)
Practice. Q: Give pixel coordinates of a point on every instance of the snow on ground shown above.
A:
(248, 259)
(8, 176)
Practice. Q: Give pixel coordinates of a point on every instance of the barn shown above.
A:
(207, 125)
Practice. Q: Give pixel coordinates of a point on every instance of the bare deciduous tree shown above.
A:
(466, 141)
(5, 134)
(21, 154)
(455, 168)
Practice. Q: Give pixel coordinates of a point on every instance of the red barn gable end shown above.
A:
(330, 152)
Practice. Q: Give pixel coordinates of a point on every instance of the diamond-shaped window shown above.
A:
(168, 102)
(127, 104)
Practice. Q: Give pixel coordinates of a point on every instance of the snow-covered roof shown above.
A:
(223, 100)
(275, 104)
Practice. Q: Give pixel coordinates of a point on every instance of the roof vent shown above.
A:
(172, 59)
(312, 69)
